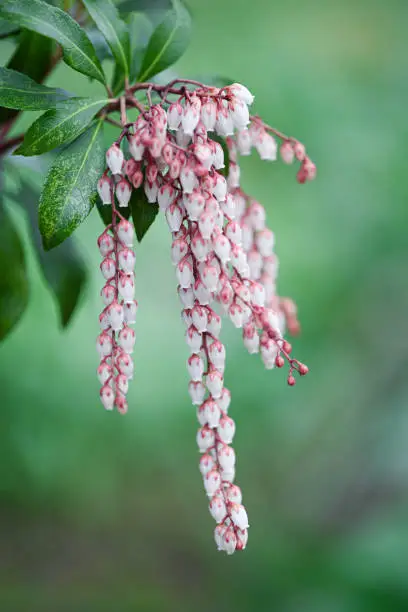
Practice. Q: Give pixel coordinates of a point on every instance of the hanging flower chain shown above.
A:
(223, 255)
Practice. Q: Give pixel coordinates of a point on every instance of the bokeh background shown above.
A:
(106, 513)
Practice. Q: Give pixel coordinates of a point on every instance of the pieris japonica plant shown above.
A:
(176, 152)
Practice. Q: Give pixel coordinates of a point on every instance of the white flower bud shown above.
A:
(174, 115)
(234, 494)
(130, 309)
(212, 482)
(151, 191)
(166, 195)
(127, 339)
(212, 413)
(104, 344)
(219, 188)
(108, 268)
(107, 397)
(214, 323)
(206, 224)
(201, 293)
(116, 316)
(217, 508)
(195, 367)
(209, 114)
(224, 400)
(114, 159)
(244, 142)
(179, 249)
(233, 176)
(191, 115)
(226, 457)
(106, 244)
(199, 246)
(123, 192)
(210, 276)
(193, 339)
(104, 187)
(199, 317)
(127, 259)
(184, 272)
(214, 382)
(104, 372)
(125, 232)
(206, 464)
(126, 287)
(239, 516)
(226, 429)
(136, 147)
(239, 113)
(205, 438)
(242, 93)
(125, 365)
(186, 296)
(121, 383)
(229, 541)
(196, 390)
(265, 242)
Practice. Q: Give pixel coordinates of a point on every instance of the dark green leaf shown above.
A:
(60, 125)
(100, 45)
(143, 212)
(140, 30)
(105, 212)
(7, 29)
(221, 141)
(33, 56)
(13, 277)
(52, 22)
(19, 91)
(168, 42)
(63, 267)
(106, 18)
(70, 187)
(155, 9)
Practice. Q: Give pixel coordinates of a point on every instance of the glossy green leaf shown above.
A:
(54, 23)
(7, 29)
(155, 9)
(70, 187)
(13, 278)
(168, 41)
(63, 267)
(106, 17)
(60, 125)
(20, 92)
(143, 213)
(140, 29)
(32, 56)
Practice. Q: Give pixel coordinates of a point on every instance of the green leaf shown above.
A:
(70, 187)
(32, 56)
(7, 29)
(20, 92)
(105, 212)
(60, 125)
(13, 277)
(52, 22)
(63, 267)
(143, 212)
(155, 9)
(140, 30)
(168, 42)
(106, 18)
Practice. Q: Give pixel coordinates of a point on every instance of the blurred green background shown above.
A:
(107, 513)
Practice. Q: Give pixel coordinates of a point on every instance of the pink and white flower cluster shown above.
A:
(223, 255)
(116, 341)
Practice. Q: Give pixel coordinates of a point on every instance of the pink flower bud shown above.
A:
(213, 323)
(156, 147)
(214, 382)
(114, 159)
(104, 344)
(239, 113)
(194, 203)
(226, 429)
(127, 339)
(212, 413)
(151, 191)
(136, 147)
(233, 176)
(199, 318)
(241, 92)
(124, 363)
(106, 244)
(309, 169)
(123, 192)
(212, 482)
(204, 155)
(219, 532)
(121, 384)
(244, 142)
(234, 494)
(196, 390)
(104, 372)
(242, 539)
(200, 247)
(116, 315)
(108, 268)
(201, 293)
(188, 179)
(251, 338)
(191, 115)
(174, 114)
(127, 260)
(107, 397)
(210, 277)
(209, 114)
(206, 224)
(216, 353)
(130, 309)
(217, 508)
(222, 248)
(206, 464)
(193, 339)
(121, 403)
(205, 438)
(126, 286)
(166, 195)
(174, 216)
(179, 250)
(226, 294)
(233, 232)
(137, 179)
(104, 322)
(224, 125)
(195, 367)
(186, 296)
(287, 153)
(239, 516)
(104, 187)
(184, 272)
(125, 232)
(266, 146)
(229, 542)
(299, 151)
(228, 207)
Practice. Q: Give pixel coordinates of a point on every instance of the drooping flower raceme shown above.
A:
(223, 254)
